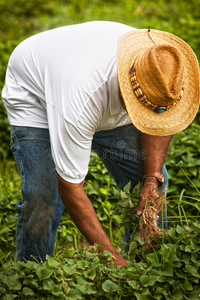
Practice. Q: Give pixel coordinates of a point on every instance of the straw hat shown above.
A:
(158, 76)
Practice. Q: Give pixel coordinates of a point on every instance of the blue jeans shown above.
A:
(40, 209)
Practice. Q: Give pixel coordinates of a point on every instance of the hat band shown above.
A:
(143, 99)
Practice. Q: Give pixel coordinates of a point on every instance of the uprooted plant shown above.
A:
(144, 228)
(148, 222)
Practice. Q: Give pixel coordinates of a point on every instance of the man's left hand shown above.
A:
(150, 193)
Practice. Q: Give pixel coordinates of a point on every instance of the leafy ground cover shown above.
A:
(168, 271)
(21, 18)
(171, 272)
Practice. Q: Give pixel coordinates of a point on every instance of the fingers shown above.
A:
(141, 207)
(149, 192)
(119, 260)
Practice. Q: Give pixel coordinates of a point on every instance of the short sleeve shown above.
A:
(71, 148)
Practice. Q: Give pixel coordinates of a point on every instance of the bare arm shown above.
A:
(156, 149)
(83, 214)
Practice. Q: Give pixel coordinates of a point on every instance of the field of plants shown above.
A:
(171, 269)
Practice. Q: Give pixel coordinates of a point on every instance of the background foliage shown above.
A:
(171, 271)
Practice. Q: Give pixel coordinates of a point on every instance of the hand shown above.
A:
(150, 192)
(119, 260)
(116, 257)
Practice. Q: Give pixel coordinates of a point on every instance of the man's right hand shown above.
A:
(119, 260)
(83, 214)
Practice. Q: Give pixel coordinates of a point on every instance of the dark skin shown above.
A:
(81, 209)
(82, 213)
(156, 149)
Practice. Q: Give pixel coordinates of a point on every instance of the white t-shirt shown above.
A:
(65, 79)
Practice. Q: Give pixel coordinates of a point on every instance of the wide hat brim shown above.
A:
(176, 118)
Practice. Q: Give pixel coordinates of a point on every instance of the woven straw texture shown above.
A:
(176, 118)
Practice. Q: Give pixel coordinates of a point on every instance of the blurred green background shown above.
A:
(22, 18)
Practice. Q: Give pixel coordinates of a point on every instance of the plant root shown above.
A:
(148, 225)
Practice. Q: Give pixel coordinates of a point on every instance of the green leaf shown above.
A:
(172, 232)
(194, 245)
(91, 274)
(134, 284)
(192, 270)
(195, 260)
(127, 188)
(155, 272)
(186, 259)
(13, 283)
(124, 203)
(194, 295)
(133, 246)
(52, 263)
(69, 252)
(74, 294)
(180, 229)
(103, 191)
(157, 296)
(144, 295)
(177, 293)
(44, 273)
(123, 196)
(167, 270)
(65, 287)
(82, 264)
(197, 225)
(49, 286)
(172, 257)
(149, 280)
(27, 292)
(153, 258)
(54, 289)
(161, 290)
(80, 280)
(109, 286)
(69, 269)
(130, 204)
(180, 273)
(194, 279)
(8, 297)
(187, 286)
(188, 248)
(86, 290)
